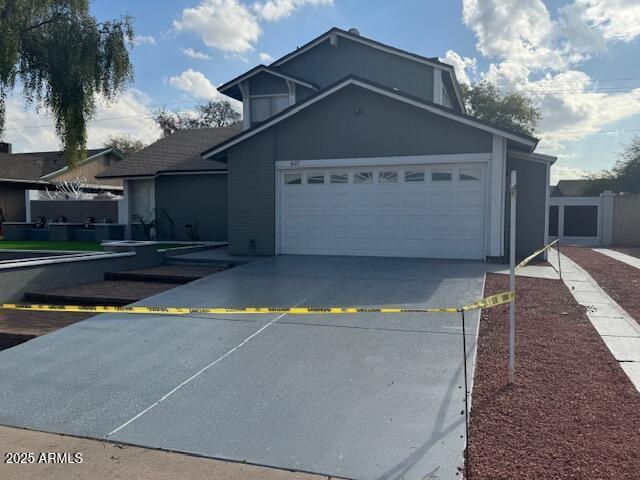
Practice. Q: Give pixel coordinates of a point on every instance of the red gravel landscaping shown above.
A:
(619, 280)
(633, 251)
(571, 414)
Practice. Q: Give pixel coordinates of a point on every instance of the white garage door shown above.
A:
(434, 211)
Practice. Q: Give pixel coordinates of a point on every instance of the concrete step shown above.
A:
(176, 274)
(106, 292)
(203, 262)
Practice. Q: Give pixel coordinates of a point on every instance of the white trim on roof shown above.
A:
(534, 157)
(353, 81)
(115, 151)
(272, 72)
(383, 48)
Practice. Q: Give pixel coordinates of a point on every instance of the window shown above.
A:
(264, 107)
(441, 176)
(388, 177)
(468, 174)
(292, 179)
(339, 178)
(315, 178)
(141, 193)
(414, 176)
(363, 177)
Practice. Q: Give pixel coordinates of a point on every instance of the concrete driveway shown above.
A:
(359, 396)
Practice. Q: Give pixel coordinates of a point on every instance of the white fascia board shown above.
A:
(352, 81)
(271, 72)
(377, 161)
(534, 157)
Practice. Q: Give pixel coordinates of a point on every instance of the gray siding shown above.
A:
(12, 202)
(252, 196)
(530, 206)
(189, 199)
(352, 123)
(325, 64)
(358, 123)
(265, 83)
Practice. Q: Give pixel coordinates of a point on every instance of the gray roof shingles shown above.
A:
(177, 152)
(32, 166)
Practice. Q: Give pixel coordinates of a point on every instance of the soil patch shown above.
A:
(619, 280)
(572, 413)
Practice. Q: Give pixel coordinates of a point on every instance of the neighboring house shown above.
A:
(170, 183)
(353, 147)
(22, 175)
(574, 188)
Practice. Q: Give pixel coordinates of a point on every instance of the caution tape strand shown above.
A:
(535, 254)
(487, 302)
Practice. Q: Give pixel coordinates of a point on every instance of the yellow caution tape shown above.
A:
(535, 254)
(487, 302)
(492, 301)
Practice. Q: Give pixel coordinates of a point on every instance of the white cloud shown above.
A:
(144, 40)
(225, 24)
(539, 55)
(613, 19)
(195, 84)
(234, 27)
(520, 31)
(464, 66)
(273, 10)
(265, 58)
(559, 172)
(191, 53)
(130, 113)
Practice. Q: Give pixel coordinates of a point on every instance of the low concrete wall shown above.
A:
(626, 220)
(42, 274)
(75, 210)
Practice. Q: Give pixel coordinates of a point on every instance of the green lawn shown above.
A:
(40, 245)
(80, 246)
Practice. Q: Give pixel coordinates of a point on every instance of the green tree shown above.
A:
(513, 110)
(124, 143)
(207, 115)
(62, 57)
(623, 177)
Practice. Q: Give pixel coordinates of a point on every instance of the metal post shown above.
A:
(466, 396)
(559, 265)
(512, 279)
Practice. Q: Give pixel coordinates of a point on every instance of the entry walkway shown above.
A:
(623, 257)
(620, 332)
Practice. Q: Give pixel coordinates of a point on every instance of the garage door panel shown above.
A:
(441, 219)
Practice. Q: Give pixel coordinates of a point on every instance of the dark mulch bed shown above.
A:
(633, 251)
(619, 280)
(572, 412)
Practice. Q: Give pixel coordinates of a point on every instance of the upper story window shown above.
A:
(266, 106)
(446, 101)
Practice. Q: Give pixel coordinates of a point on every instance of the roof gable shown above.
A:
(526, 140)
(431, 61)
(231, 87)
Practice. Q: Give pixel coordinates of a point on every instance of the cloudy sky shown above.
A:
(577, 59)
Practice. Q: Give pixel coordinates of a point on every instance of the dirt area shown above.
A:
(572, 413)
(108, 461)
(619, 280)
(633, 251)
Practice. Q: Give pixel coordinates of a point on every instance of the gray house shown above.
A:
(170, 183)
(353, 147)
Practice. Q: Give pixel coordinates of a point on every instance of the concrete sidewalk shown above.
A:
(623, 257)
(620, 332)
